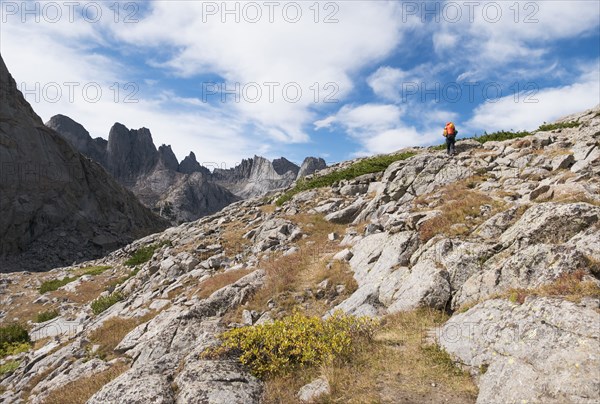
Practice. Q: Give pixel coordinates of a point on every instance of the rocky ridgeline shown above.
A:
(464, 234)
(180, 192)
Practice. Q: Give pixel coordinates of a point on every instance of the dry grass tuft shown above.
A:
(231, 238)
(571, 287)
(268, 209)
(80, 390)
(575, 198)
(220, 280)
(113, 331)
(460, 207)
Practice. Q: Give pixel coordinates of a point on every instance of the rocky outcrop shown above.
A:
(544, 351)
(283, 166)
(56, 205)
(167, 159)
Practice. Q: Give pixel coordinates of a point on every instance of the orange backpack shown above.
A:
(450, 129)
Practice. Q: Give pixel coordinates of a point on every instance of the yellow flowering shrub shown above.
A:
(296, 341)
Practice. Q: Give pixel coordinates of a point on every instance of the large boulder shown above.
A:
(551, 223)
(544, 351)
(529, 267)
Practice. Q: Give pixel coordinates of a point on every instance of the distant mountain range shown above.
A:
(56, 206)
(181, 191)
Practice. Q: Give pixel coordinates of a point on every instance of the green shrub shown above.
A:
(14, 339)
(500, 136)
(296, 341)
(365, 166)
(143, 254)
(54, 284)
(104, 302)
(46, 315)
(14, 348)
(561, 125)
(438, 147)
(9, 367)
(13, 332)
(95, 270)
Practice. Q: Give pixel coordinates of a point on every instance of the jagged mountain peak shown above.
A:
(167, 159)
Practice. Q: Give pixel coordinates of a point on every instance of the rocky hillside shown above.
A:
(56, 206)
(484, 270)
(184, 191)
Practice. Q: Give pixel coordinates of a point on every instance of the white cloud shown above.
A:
(532, 109)
(522, 33)
(387, 81)
(380, 128)
(303, 53)
(179, 41)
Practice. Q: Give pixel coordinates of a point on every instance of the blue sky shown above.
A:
(374, 76)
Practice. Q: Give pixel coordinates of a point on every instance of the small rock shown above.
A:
(314, 390)
(247, 317)
(344, 255)
(332, 236)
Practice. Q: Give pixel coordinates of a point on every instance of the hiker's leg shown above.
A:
(448, 145)
(452, 146)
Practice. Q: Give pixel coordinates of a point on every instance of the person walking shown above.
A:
(450, 133)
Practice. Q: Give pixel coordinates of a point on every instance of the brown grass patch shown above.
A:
(220, 280)
(112, 331)
(317, 229)
(569, 286)
(283, 389)
(291, 281)
(35, 380)
(397, 366)
(550, 153)
(231, 238)
(80, 390)
(575, 198)
(304, 269)
(267, 209)
(459, 204)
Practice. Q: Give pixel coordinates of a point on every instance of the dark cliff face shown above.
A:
(56, 206)
(153, 175)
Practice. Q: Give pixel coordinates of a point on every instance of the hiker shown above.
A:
(450, 133)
